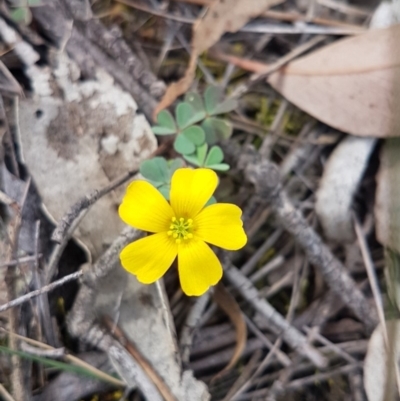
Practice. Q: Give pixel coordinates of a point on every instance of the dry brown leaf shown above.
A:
(222, 16)
(230, 306)
(352, 85)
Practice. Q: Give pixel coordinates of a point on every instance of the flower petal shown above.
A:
(198, 267)
(191, 189)
(150, 257)
(220, 225)
(144, 207)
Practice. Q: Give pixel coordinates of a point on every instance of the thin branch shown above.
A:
(43, 290)
(265, 175)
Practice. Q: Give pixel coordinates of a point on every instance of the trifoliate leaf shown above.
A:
(195, 100)
(183, 145)
(219, 167)
(226, 106)
(155, 170)
(195, 134)
(215, 156)
(173, 165)
(158, 130)
(165, 119)
(216, 129)
(165, 190)
(201, 152)
(212, 97)
(192, 159)
(166, 123)
(186, 115)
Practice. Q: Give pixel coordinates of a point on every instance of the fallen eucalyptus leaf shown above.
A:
(352, 85)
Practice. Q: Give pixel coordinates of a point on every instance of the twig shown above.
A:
(241, 89)
(278, 324)
(145, 365)
(5, 394)
(265, 175)
(55, 353)
(373, 280)
(85, 203)
(18, 261)
(24, 298)
(73, 359)
(6, 200)
(191, 324)
(17, 376)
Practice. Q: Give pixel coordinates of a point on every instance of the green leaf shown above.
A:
(21, 15)
(192, 159)
(158, 130)
(186, 115)
(215, 156)
(165, 190)
(216, 129)
(226, 106)
(166, 123)
(211, 201)
(165, 119)
(52, 363)
(195, 134)
(201, 152)
(174, 165)
(195, 100)
(212, 97)
(219, 167)
(183, 145)
(155, 170)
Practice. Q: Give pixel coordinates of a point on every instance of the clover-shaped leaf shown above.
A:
(186, 115)
(216, 129)
(155, 170)
(195, 134)
(184, 145)
(214, 104)
(215, 156)
(195, 100)
(219, 167)
(173, 165)
(166, 124)
(199, 157)
(165, 190)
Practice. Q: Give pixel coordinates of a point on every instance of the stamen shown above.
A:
(180, 229)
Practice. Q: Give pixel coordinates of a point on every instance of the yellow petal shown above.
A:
(144, 207)
(220, 225)
(191, 189)
(198, 267)
(150, 257)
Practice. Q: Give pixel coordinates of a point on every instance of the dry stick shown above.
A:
(265, 175)
(242, 88)
(17, 376)
(73, 359)
(24, 298)
(190, 326)
(278, 324)
(5, 394)
(24, 259)
(117, 333)
(67, 225)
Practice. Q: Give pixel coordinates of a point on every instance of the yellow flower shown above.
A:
(181, 229)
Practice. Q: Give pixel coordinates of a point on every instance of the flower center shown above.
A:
(180, 229)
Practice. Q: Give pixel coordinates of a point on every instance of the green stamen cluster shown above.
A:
(180, 229)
